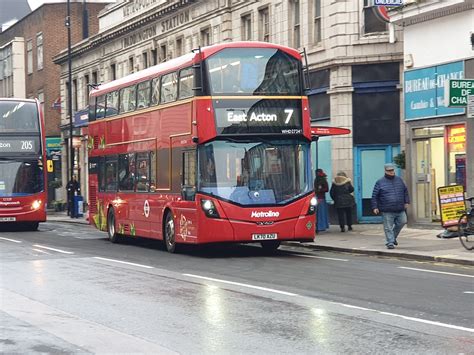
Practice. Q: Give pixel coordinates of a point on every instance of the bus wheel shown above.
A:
(170, 239)
(270, 245)
(113, 236)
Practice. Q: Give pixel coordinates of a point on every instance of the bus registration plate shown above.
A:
(7, 219)
(265, 236)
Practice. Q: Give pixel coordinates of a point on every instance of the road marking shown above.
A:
(124, 262)
(435, 272)
(468, 292)
(241, 284)
(11, 240)
(41, 251)
(53, 249)
(414, 319)
(320, 257)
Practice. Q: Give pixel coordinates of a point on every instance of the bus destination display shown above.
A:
(18, 145)
(258, 116)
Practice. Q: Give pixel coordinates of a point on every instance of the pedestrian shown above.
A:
(320, 188)
(73, 189)
(390, 197)
(341, 192)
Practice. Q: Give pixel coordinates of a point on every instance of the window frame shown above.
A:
(39, 51)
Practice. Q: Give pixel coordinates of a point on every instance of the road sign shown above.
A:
(456, 92)
(470, 106)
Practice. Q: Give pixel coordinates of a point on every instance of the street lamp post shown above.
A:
(69, 97)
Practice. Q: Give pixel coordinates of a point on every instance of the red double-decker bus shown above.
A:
(23, 194)
(213, 146)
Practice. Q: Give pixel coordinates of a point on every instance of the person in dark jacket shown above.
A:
(320, 188)
(73, 189)
(341, 192)
(390, 197)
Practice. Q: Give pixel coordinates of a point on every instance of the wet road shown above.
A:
(65, 289)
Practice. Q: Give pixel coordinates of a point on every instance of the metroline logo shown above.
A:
(262, 214)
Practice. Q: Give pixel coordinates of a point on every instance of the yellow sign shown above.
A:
(452, 204)
(49, 166)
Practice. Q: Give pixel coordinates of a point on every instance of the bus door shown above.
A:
(185, 208)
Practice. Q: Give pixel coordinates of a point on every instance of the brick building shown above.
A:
(26, 67)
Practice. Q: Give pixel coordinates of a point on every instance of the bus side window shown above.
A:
(188, 187)
(111, 174)
(112, 104)
(186, 83)
(143, 172)
(169, 88)
(100, 107)
(143, 94)
(126, 172)
(92, 109)
(155, 91)
(128, 99)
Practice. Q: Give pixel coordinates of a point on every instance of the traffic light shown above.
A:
(49, 166)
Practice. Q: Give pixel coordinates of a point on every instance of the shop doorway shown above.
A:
(429, 175)
(369, 162)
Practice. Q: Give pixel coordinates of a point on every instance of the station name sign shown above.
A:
(19, 145)
(241, 116)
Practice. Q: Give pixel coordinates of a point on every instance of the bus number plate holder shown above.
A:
(7, 219)
(265, 236)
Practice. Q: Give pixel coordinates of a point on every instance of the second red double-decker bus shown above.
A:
(210, 147)
(22, 161)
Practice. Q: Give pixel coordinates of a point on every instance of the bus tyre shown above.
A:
(169, 233)
(111, 231)
(270, 245)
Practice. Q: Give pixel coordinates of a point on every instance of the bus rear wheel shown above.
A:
(169, 233)
(270, 245)
(111, 231)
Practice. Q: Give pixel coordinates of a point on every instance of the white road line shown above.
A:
(11, 240)
(414, 319)
(53, 249)
(124, 262)
(468, 292)
(241, 284)
(320, 257)
(435, 272)
(41, 251)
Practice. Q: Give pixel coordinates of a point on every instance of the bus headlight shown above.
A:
(312, 205)
(36, 204)
(209, 208)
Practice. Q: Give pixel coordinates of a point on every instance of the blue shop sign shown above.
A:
(423, 91)
(81, 118)
(53, 144)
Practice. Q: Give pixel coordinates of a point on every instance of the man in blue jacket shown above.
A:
(390, 197)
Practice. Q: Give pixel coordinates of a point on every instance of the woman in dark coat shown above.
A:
(341, 192)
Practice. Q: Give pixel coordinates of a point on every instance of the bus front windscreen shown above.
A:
(255, 173)
(20, 177)
(253, 71)
(18, 116)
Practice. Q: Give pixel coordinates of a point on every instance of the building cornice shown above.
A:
(423, 11)
(120, 30)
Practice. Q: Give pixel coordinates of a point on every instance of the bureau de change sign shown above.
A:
(456, 92)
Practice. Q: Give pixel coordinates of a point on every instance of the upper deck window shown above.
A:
(186, 83)
(169, 87)
(254, 71)
(128, 99)
(18, 116)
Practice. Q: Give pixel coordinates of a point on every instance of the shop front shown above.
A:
(439, 154)
(436, 138)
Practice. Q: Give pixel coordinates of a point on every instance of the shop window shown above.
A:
(456, 137)
(318, 97)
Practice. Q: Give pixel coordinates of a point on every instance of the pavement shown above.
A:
(413, 243)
